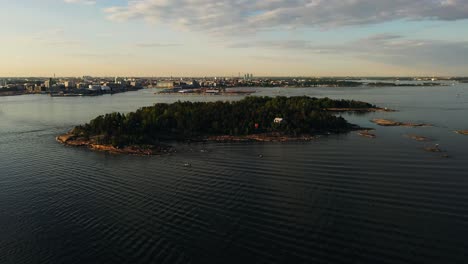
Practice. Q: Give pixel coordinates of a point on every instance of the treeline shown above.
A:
(10, 89)
(188, 120)
(385, 84)
(307, 83)
(332, 83)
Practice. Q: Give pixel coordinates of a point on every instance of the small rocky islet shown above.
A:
(390, 123)
(418, 138)
(366, 133)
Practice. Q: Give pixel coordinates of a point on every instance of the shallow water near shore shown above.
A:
(338, 199)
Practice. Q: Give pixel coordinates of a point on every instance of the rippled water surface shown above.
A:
(340, 199)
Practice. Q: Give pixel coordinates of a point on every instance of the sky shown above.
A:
(228, 37)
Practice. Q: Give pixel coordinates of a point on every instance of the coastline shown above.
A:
(392, 123)
(366, 133)
(265, 137)
(365, 110)
(69, 139)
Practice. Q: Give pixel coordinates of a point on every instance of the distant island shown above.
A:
(147, 130)
(402, 84)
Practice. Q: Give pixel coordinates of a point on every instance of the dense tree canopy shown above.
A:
(187, 120)
(306, 83)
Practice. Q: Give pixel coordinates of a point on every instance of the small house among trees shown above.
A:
(279, 120)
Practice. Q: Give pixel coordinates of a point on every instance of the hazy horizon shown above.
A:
(236, 76)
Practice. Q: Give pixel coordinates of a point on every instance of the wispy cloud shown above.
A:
(102, 55)
(242, 16)
(63, 43)
(51, 37)
(84, 2)
(382, 48)
(411, 52)
(277, 58)
(157, 45)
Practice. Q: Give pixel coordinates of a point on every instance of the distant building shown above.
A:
(165, 84)
(248, 77)
(194, 84)
(105, 88)
(279, 120)
(94, 88)
(39, 88)
(70, 84)
(81, 85)
(50, 83)
(212, 91)
(114, 86)
(30, 87)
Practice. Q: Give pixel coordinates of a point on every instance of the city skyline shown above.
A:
(222, 38)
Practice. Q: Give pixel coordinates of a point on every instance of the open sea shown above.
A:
(338, 199)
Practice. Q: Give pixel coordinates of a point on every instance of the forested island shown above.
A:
(387, 84)
(251, 119)
(303, 83)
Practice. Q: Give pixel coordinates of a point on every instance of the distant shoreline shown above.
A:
(288, 84)
(365, 110)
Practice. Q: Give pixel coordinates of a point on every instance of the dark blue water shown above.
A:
(340, 199)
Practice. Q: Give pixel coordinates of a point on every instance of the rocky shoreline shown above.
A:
(366, 133)
(418, 138)
(266, 137)
(362, 110)
(388, 123)
(69, 139)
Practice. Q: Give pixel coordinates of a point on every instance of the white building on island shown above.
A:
(279, 120)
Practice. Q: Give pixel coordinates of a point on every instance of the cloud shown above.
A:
(84, 2)
(382, 48)
(157, 45)
(411, 52)
(102, 55)
(278, 58)
(250, 15)
(63, 43)
(55, 37)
